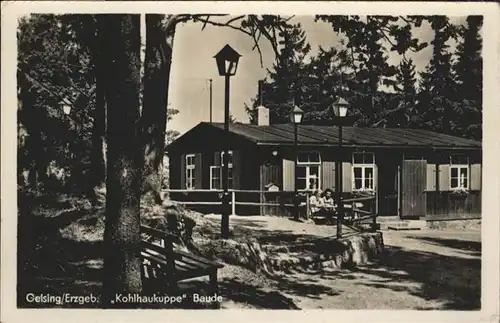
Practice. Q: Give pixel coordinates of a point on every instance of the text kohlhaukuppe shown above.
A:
(164, 299)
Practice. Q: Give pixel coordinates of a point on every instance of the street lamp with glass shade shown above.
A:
(340, 108)
(227, 64)
(227, 61)
(296, 115)
(296, 118)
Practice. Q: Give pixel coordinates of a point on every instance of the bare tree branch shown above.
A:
(43, 87)
(272, 39)
(256, 45)
(257, 38)
(47, 64)
(256, 29)
(219, 24)
(235, 19)
(207, 20)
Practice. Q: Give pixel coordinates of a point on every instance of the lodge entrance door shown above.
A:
(414, 199)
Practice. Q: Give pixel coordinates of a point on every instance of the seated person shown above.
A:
(316, 202)
(328, 200)
(318, 207)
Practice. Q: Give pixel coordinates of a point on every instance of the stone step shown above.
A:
(399, 228)
(383, 219)
(403, 225)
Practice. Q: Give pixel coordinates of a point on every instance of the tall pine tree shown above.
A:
(366, 54)
(438, 90)
(469, 69)
(403, 115)
(286, 77)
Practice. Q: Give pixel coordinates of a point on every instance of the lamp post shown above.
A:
(296, 118)
(340, 107)
(227, 63)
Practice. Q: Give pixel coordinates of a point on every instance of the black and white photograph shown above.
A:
(253, 161)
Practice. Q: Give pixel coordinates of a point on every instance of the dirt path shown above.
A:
(421, 270)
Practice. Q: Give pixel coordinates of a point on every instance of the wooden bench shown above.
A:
(163, 267)
(351, 213)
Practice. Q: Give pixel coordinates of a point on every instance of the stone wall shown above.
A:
(352, 251)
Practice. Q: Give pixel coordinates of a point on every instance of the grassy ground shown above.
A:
(62, 252)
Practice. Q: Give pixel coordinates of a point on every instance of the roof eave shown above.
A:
(407, 146)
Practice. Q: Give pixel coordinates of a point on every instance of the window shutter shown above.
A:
(475, 177)
(217, 158)
(328, 175)
(346, 177)
(431, 177)
(173, 166)
(198, 171)
(183, 171)
(444, 177)
(236, 169)
(288, 175)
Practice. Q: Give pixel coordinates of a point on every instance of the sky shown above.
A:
(193, 65)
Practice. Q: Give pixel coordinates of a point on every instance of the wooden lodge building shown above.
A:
(413, 173)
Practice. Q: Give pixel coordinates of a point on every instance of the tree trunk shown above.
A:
(35, 144)
(98, 148)
(41, 162)
(98, 160)
(121, 64)
(158, 60)
(31, 150)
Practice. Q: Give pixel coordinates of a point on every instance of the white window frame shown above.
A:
(364, 166)
(190, 177)
(230, 166)
(212, 177)
(458, 167)
(308, 165)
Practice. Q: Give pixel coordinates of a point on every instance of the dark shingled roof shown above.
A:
(282, 134)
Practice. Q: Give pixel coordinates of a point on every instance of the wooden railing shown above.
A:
(275, 202)
(366, 212)
(218, 201)
(282, 202)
